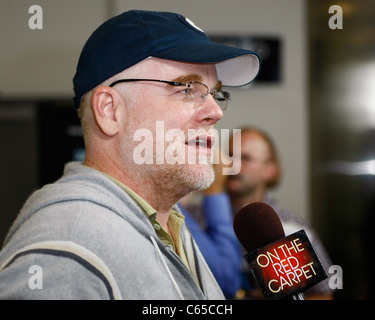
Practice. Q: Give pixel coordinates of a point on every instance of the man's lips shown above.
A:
(201, 142)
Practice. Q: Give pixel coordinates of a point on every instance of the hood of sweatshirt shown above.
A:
(86, 213)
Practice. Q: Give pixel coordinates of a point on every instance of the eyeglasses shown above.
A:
(195, 91)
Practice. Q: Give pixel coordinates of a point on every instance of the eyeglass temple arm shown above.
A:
(173, 83)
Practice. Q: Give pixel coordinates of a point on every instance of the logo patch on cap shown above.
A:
(193, 24)
(190, 23)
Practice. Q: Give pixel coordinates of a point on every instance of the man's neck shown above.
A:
(239, 201)
(158, 198)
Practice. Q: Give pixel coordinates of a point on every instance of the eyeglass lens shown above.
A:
(199, 91)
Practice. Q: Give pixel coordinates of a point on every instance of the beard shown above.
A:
(170, 169)
(190, 167)
(181, 179)
(186, 166)
(196, 178)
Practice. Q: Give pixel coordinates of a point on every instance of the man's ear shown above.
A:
(104, 104)
(273, 174)
(271, 171)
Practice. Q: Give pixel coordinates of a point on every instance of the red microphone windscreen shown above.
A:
(257, 225)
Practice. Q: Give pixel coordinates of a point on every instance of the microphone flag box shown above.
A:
(286, 267)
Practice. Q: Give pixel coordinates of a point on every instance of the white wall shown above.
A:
(41, 63)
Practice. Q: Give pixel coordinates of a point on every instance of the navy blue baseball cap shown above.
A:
(133, 36)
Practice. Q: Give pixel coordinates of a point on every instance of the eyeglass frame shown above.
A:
(226, 94)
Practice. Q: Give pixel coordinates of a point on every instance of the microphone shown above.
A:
(283, 267)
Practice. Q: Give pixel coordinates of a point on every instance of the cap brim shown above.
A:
(235, 67)
(238, 71)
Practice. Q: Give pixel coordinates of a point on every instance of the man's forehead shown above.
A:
(162, 69)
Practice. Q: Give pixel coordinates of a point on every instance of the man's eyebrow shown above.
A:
(195, 77)
(188, 78)
(219, 85)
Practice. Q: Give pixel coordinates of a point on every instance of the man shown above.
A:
(108, 229)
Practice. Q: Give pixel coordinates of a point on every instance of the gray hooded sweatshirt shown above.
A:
(83, 237)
